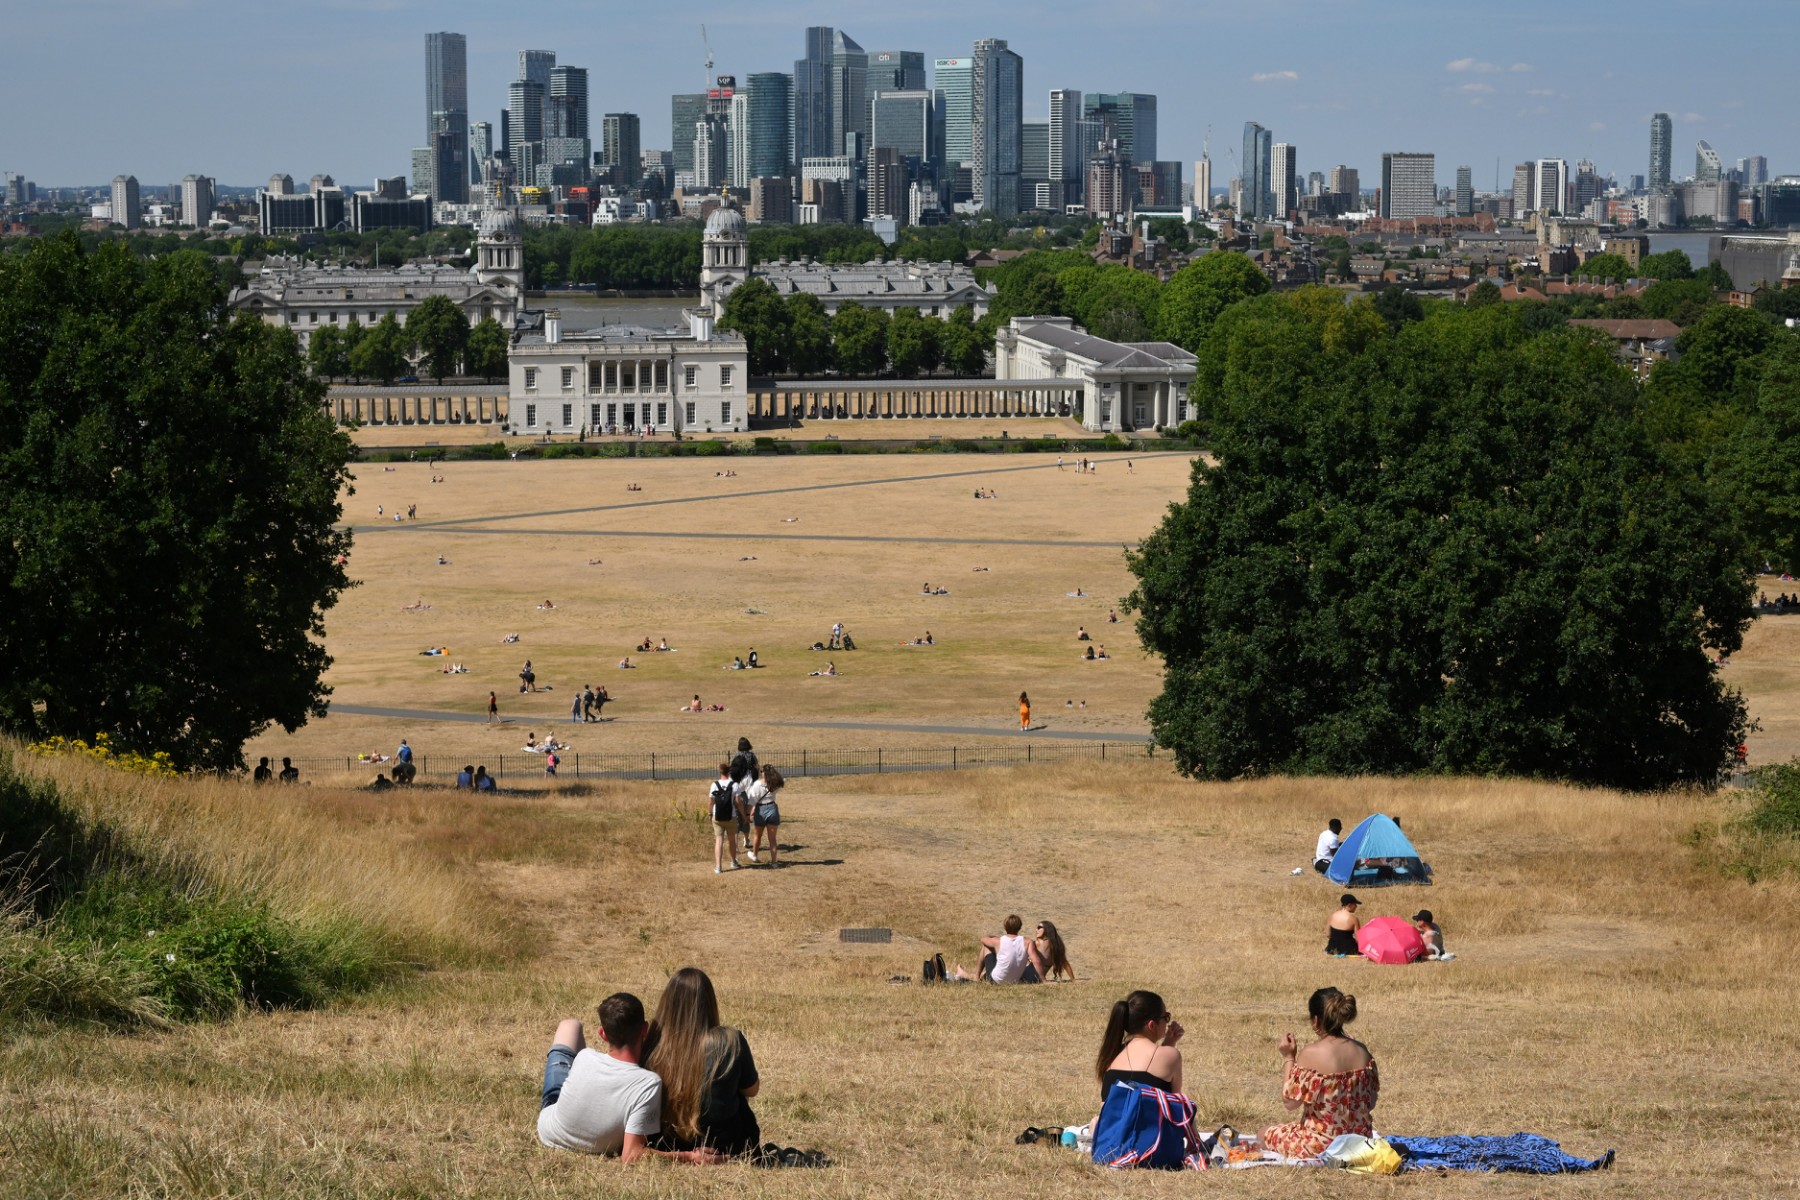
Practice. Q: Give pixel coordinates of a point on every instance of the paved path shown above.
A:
(475, 718)
(748, 536)
(405, 526)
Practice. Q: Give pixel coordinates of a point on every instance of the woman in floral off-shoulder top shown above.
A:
(1333, 1081)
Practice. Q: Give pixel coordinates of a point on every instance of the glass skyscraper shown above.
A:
(1132, 117)
(810, 109)
(1662, 147)
(447, 113)
(997, 102)
(759, 118)
(1256, 165)
(955, 81)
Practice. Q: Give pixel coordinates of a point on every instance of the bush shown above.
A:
(709, 449)
(483, 451)
(1776, 805)
(566, 450)
(1113, 441)
(825, 447)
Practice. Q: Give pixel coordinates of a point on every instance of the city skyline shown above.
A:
(1528, 88)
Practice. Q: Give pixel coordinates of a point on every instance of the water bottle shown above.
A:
(1084, 1139)
(1070, 1137)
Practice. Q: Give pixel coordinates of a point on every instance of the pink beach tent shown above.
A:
(1390, 940)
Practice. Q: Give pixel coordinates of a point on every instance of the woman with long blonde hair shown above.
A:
(707, 1071)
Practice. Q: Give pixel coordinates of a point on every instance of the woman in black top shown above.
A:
(707, 1070)
(1139, 1045)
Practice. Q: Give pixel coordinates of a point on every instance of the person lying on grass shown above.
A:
(596, 1103)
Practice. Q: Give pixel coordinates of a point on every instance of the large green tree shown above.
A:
(964, 350)
(859, 340)
(327, 354)
(809, 335)
(440, 331)
(1196, 295)
(756, 310)
(169, 483)
(915, 343)
(1454, 549)
(488, 350)
(380, 353)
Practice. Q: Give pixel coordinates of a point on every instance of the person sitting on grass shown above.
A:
(663, 646)
(1431, 935)
(1049, 955)
(1340, 930)
(290, 773)
(1081, 633)
(595, 1103)
(262, 774)
(1333, 1082)
(1139, 1045)
(708, 1073)
(483, 781)
(465, 778)
(1006, 957)
(829, 668)
(1089, 656)
(1330, 838)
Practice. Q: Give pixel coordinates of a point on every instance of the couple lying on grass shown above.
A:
(678, 1087)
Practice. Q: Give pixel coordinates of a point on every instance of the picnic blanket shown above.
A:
(1524, 1152)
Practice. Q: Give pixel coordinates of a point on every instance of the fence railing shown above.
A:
(704, 764)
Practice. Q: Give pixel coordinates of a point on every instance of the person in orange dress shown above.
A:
(1333, 1081)
(1024, 712)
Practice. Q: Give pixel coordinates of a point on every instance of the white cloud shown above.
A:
(1275, 77)
(1522, 68)
(1597, 126)
(1471, 64)
(1541, 92)
(1478, 87)
(1692, 118)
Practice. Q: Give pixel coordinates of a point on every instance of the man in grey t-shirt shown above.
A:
(598, 1103)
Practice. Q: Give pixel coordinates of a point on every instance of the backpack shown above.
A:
(743, 767)
(723, 807)
(1143, 1126)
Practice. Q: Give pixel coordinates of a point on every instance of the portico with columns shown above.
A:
(1125, 386)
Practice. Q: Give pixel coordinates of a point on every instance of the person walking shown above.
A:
(493, 707)
(575, 710)
(1024, 713)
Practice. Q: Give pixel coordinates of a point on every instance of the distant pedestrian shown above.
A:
(493, 707)
(262, 774)
(587, 702)
(404, 753)
(575, 710)
(289, 772)
(551, 762)
(1024, 712)
(483, 781)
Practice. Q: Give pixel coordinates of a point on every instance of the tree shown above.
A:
(326, 354)
(809, 335)
(859, 340)
(1398, 307)
(1455, 550)
(1670, 264)
(755, 309)
(488, 351)
(965, 353)
(1678, 300)
(381, 351)
(169, 493)
(1486, 292)
(1716, 277)
(441, 332)
(914, 343)
(1112, 301)
(348, 341)
(1606, 266)
(1762, 468)
(1196, 295)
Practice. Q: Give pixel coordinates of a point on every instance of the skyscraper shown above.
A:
(1408, 185)
(1034, 153)
(956, 84)
(759, 134)
(1132, 118)
(535, 66)
(1708, 168)
(894, 71)
(1465, 190)
(196, 201)
(1587, 186)
(849, 91)
(1662, 150)
(1259, 149)
(811, 105)
(481, 148)
(1203, 184)
(1547, 191)
(686, 111)
(568, 112)
(1524, 188)
(447, 114)
(525, 104)
(1346, 181)
(1066, 151)
(906, 122)
(125, 201)
(997, 102)
(1753, 170)
(1283, 177)
(620, 139)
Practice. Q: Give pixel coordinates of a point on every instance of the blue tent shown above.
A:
(1377, 854)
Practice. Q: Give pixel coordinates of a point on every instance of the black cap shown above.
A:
(1424, 914)
(1347, 898)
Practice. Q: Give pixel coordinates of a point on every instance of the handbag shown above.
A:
(1364, 1155)
(1144, 1126)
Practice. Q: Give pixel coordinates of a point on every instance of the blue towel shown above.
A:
(1526, 1152)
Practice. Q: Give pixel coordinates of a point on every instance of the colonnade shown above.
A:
(876, 399)
(399, 407)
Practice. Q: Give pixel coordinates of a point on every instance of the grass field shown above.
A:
(1613, 988)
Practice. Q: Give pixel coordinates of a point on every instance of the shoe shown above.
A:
(753, 856)
(718, 870)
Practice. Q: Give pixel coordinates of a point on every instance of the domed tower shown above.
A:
(724, 257)
(1791, 276)
(500, 252)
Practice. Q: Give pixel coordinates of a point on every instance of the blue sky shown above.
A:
(240, 90)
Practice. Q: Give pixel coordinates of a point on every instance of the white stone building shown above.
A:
(1126, 385)
(306, 298)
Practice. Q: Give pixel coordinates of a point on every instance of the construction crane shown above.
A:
(707, 42)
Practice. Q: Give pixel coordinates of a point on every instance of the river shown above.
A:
(1694, 244)
(582, 310)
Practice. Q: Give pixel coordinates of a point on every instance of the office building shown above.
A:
(1110, 184)
(712, 152)
(1552, 177)
(1465, 190)
(772, 201)
(893, 71)
(849, 92)
(888, 180)
(1158, 185)
(686, 111)
(1524, 188)
(535, 67)
(1128, 116)
(481, 148)
(15, 190)
(447, 115)
(1662, 151)
(955, 82)
(374, 210)
(1256, 164)
(1034, 151)
(1346, 181)
(568, 111)
(320, 207)
(1707, 167)
(619, 145)
(997, 105)
(1753, 170)
(196, 201)
(125, 202)
(908, 122)
(1408, 185)
(1203, 184)
(525, 109)
(759, 133)
(1283, 174)
(811, 105)
(1066, 151)
(1587, 186)
(832, 183)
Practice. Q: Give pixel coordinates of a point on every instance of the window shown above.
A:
(612, 415)
(530, 416)
(725, 378)
(690, 376)
(312, 318)
(662, 375)
(593, 416)
(725, 411)
(530, 381)
(628, 376)
(690, 414)
(612, 376)
(568, 381)
(568, 415)
(662, 415)
(596, 377)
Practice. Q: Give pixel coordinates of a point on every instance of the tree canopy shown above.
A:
(169, 483)
(440, 332)
(1451, 547)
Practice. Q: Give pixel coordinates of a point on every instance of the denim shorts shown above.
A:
(556, 1070)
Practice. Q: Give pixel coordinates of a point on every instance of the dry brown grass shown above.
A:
(1595, 998)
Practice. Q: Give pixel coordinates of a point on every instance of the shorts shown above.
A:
(766, 815)
(556, 1070)
(729, 825)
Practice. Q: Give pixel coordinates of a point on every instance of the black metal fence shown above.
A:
(700, 764)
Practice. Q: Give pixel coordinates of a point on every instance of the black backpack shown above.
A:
(743, 767)
(724, 807)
